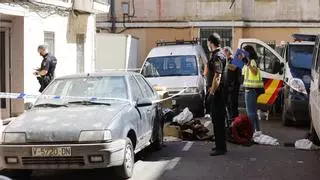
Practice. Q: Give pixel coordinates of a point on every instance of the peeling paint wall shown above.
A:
(218, 10)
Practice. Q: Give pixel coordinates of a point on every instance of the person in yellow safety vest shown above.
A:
(252, 82)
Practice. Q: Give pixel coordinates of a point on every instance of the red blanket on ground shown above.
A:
(242, 130)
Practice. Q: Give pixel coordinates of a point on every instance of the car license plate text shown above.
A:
(51, 152)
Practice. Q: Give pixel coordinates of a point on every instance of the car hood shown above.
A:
(63, 124)
(176, 82)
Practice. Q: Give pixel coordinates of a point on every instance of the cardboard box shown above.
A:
(169, 130)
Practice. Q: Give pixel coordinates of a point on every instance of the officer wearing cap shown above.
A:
(45, 73)
(216, 66)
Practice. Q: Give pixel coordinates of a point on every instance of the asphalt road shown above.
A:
(189, 160)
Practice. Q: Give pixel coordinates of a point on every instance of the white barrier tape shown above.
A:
(168, 98)
(4, 95)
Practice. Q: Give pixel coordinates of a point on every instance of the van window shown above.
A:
(170, 66)
(266, 59)
(300, 56)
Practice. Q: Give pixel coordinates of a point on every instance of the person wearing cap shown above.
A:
(45, 73)
(216, 65)
(232, 85)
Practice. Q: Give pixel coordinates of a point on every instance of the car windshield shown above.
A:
(170, 66)
(300, 56)
(108, 88)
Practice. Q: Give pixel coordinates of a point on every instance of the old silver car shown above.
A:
(86, 121)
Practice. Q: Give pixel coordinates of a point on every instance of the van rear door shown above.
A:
(271, 66)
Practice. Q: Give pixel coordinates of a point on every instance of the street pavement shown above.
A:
(190, 160)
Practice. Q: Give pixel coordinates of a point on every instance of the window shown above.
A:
(3, 104)
(80, 53)
(225, 34)
(102, 1)
(135, 89)
(146, 90)
(170, 66)
(318, 61)
(88, 87)
(49, 41)
(300, 56)
(266, 59)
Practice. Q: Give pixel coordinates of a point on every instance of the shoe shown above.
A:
(218, 153)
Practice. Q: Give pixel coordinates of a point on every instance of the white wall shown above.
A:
(65, 52)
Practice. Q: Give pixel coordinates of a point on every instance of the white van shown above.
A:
(175, 66)
(314, 101)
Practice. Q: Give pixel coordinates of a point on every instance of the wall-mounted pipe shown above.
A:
(113, 16)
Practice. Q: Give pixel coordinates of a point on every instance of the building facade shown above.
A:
(24, 25)
(272, 21)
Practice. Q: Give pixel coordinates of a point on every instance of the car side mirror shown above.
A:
(144, 102)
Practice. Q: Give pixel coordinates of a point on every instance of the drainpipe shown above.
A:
(113, 16)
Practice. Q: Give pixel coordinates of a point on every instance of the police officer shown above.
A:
(45, 73)
(216, 66)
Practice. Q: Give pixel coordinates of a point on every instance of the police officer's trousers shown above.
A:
(218, 114)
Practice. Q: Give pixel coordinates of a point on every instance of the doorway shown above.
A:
(4, 71)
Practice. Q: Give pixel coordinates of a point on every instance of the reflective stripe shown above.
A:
(251, 80)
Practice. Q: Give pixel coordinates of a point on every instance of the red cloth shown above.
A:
(242, 129)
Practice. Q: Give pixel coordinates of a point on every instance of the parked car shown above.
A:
(175, 66)
(297, 78)
(105, 119)
(314, 102)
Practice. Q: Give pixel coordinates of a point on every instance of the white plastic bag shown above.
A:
(260, 138)
(305, 144)
(184, 117)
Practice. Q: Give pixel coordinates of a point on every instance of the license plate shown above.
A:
(174, 102)
(51, 152)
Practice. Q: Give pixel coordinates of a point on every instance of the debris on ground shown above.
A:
(260, 138)
(184, 126)
(305, 144)
(184, 117)
(170, 139)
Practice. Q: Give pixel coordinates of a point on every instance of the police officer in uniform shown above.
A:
(45, 74)
(216, 66)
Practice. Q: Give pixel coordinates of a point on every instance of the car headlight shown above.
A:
(14, 138)
(297, 85)
(160, 88)
(192, 90)
(95, 136)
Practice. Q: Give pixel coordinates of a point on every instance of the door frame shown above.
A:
(6, 112)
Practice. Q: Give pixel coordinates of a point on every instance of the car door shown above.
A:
(271, 66)
(138, 95)
(151, 110)
(314, 100)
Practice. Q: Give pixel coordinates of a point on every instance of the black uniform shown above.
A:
(48, 63)
(216, 64)
(232, 87)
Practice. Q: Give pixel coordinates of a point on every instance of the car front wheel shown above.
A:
(125, 171)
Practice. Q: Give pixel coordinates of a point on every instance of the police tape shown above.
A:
(4, 95)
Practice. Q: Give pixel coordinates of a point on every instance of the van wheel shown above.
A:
(314, 137)
(285, 120)
(125, 171)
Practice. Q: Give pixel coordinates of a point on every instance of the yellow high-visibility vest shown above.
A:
(251, 80)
